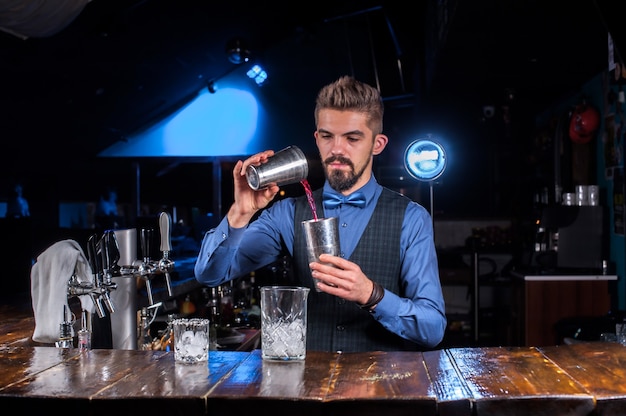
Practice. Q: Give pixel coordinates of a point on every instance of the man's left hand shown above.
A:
(343, 278)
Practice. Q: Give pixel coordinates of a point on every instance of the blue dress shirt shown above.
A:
(419, 315)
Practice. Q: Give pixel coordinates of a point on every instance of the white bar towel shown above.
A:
(49, 278)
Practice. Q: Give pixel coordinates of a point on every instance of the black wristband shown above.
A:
(378, 292)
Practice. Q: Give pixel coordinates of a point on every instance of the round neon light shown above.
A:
(425, 159)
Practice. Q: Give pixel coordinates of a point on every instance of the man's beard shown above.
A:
(338, 179)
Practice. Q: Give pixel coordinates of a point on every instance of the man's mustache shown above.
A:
(339, 159)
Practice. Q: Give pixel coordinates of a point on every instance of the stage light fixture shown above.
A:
(237, 51)
(425, 160)
(238, 54)
(258, 74)
(211, 86)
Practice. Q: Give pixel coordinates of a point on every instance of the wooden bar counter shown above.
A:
(578, 379)
(585, 378)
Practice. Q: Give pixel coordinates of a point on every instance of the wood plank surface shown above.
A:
(519, 381)
(22, 363)
(578, 379)
(599, 367)
(70, 383)
(164, 386)
(371, 383)
(453, 395)
(16, 327)
(275, 386)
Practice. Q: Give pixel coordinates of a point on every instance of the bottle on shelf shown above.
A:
(187, 307)
(144, 340)
(213, 305)
(254, 299)
(226, 304)
(167, 339)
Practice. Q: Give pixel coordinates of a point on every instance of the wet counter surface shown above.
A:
(578, 379)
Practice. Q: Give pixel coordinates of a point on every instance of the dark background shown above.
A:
(121, 65)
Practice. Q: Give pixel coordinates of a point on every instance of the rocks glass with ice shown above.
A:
(283, 322)
(191, 340)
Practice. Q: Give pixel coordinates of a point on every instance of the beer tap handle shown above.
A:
(110, 253)
(146, 267)
(146, 237)
(94, 261)
(165, 225)
(104, 255)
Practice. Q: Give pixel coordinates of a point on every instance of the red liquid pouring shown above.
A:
(309, 197)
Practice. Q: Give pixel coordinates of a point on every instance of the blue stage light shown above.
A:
(258, 74)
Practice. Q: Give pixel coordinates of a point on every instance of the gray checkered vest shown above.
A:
(334, 324)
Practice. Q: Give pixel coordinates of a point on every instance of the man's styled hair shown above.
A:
(348, 94)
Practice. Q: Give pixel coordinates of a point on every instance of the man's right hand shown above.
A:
(248, 201)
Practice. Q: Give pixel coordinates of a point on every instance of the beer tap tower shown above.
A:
(104, 256)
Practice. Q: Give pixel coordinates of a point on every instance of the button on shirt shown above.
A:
(228, 252)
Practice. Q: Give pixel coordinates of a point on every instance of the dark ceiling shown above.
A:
(541, 51)
(123, 64)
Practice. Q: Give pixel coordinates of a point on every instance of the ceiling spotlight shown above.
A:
(211, 86)
(258, 74)
(237, 51)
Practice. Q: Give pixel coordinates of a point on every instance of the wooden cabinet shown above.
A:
(541, 302)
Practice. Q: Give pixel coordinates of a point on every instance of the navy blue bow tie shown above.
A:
(334, 200)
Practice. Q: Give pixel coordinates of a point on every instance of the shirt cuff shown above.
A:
(386, 306)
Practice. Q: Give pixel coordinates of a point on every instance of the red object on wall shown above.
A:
(584, 123)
